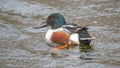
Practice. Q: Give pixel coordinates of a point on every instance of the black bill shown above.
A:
(42, 25)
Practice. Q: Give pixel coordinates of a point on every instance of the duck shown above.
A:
(63, 33)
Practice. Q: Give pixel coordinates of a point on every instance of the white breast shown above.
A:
(48, 35)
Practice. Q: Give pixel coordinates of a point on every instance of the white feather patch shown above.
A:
(75, 38)
(49, 35)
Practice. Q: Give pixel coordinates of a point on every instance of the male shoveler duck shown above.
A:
(60, 32)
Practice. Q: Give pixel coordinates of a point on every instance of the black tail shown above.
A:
(83, 33)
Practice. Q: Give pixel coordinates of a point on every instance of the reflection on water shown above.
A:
(21, 46)
(85, 48)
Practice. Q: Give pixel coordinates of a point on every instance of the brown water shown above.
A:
(21, 46)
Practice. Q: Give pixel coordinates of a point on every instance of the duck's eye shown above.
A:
(51, 18)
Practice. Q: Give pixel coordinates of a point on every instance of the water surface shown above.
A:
(21, 46)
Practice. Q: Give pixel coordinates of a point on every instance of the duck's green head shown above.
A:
(55, 20)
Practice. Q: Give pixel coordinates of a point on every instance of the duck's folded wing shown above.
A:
(72, 28)
(82, 32)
